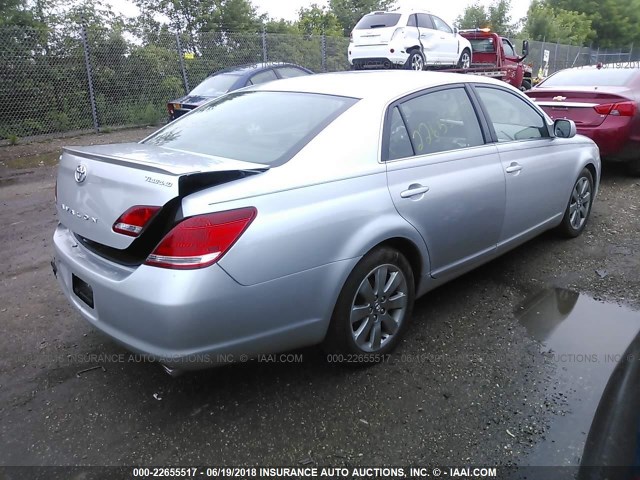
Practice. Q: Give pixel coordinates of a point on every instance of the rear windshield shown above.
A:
(259, 127)
(482, 45)
(215, 86)
(378, 20)
(588, 77)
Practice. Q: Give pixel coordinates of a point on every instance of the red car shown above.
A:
(604, 103)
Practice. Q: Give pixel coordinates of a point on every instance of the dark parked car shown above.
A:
(602, 100)
(230, 79)
(612, 449)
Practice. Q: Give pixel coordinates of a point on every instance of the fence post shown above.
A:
(555, 57)
(87, 64)
(185, 79)
(323, 46)
(630, 50)
(265, 55)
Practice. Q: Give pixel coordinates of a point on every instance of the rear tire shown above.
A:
(416, 61)
(465, 59)
(578, 209)
(526, 85)
(373, 308)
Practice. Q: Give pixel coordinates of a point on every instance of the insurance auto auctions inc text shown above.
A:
(377, 472)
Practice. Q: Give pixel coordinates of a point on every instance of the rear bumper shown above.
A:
(614, 138)
(380, 56)
(191, 319)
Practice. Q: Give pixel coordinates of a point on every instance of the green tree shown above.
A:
(473, 16)
(198, 16)
(317, 20)
(495, 16)
(280, 26)
(349, 12)
(615, 22)
(557, 25)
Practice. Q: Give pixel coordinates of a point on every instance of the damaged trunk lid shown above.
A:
(97, 184)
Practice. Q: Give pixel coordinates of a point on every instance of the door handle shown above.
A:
(414, 190)
(514, 167)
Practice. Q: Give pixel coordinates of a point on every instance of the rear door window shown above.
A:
(378, 20)
(399, 143)
(424, 21)
(438, 121)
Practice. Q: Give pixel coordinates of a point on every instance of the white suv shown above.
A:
(411, 40)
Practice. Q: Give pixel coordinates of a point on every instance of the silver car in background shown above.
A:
(310, 210)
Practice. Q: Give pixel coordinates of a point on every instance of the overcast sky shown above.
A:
(288, 9)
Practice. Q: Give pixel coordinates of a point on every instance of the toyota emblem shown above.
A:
(81, 173)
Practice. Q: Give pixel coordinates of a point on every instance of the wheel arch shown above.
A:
(411, 252)
(594, 173)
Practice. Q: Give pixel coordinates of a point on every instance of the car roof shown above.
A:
(371, 83)
(254, 67)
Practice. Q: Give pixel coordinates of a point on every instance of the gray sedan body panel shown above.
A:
(318, 214)
(465, 194)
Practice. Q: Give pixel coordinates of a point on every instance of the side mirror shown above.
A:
(563, 128)
(456, 30)
(525, 48)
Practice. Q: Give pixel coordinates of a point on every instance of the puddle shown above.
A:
(585, 339)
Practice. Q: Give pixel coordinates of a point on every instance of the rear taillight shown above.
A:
(200, 241)
(170, 108)
(622, 109)
(134, 220)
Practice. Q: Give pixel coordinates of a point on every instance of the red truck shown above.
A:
(495, 56)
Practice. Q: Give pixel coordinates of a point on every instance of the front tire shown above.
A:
(373, 308)
(416, 61)
(526, 85)
(578, 209)
(465, 60)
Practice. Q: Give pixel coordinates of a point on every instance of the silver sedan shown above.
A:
(310, 210)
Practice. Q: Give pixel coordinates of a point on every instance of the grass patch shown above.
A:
(33, 161)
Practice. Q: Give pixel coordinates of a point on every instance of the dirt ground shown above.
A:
(467, 386)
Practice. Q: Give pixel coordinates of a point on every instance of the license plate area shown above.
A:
(82, 290)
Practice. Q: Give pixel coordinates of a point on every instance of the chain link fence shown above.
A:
(549, 57)
(96, 80)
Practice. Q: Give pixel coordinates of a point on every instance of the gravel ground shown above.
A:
(467, 386)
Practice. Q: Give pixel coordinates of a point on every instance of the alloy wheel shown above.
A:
(580, 203)
(417, 63)
(465, 60)
(379, 307)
